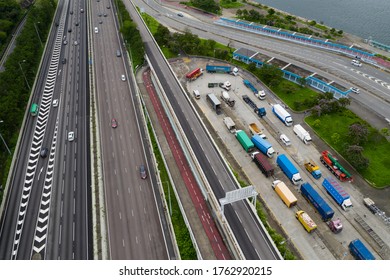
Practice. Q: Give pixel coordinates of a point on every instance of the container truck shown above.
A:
(218, 68)
(214, 102)
(289, 169)
(230, 124)
(306, 221)
(284, 193)
(244, 140)
(255, 130)
(263, 164)
(302, 133)
(263, 145)
(194, 74)
(360, 251)
(335, 167)
(258, 93)
(337, 192)
(317, 201)
(282, 114)
(313, 169)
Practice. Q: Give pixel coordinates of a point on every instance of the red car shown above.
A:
(114, 123)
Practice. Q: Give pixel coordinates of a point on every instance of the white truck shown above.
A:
(226, 97)
(302, 133)
(230, 124)
(255, 130)
(261, 94)
(226, 85)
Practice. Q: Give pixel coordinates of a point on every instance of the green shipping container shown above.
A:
(245, 141)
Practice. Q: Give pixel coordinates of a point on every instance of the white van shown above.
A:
(96, 30)
(285, 140)
(196, 94)
(356, 63)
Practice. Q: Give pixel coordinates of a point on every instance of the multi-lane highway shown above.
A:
(134, 227)
(46, 208)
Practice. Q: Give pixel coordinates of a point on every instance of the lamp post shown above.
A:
(20, 65)
(36, 30)
(4, 141)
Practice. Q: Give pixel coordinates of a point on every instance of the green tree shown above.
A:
(335, 138)
(271, 12)
(162, 35)
(355, 157)
(206, 5)
(270, 75)
(358, 133)
(317, 123)
(385, 131)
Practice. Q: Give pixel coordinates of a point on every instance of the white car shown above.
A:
(70, 136)
(355, 90)
(123, 78)
(55, 103)
(285, 139)
(356, 63)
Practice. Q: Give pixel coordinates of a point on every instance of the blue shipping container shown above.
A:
(317, 201)
(359, 251)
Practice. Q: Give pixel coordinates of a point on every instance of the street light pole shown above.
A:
(4, 141)
(20, 65)
(36, 30)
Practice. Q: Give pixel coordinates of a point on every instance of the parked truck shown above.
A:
(255, 130)
(282, 114)
(335, 167)
(317, 201)
(302, 133)
(219, 69)
(258, 93)
(228, 100)
(263, 145)
(249, 101)
(360, 251)
(260, 112)
(230, 124)
(313, 169)
(289, 169)
(244, 140)
(335, 225)
(194, 74)
(337, 192)
(214, 102)
(306, 221)
(284, 193)
(263, 164)
(370, 204)
(225, 85)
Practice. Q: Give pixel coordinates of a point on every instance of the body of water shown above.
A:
(363, 18)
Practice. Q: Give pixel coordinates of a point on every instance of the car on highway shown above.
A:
(142, 172)
(100, 21)
(55, 101)
(81, 10)
(76, 43)
(64, 60)
(44, 152)
(70, 30)
(77, 23)
(285, 140)
(123, 78)
(100, 14)
(355, 90)
(96, 30)
(71, 12)
(180, 15)
(104, 14)
(356, 62)
(65, 42)
(108, 7)
(114, 123)
(70, 136)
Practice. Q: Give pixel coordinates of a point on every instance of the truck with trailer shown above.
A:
(262, 162)
(317, 201)
(360, 251)
(249, 101)
(258, 93)
(212, 85)
(218, 69)
(313, 169)
(228, 100)
(335, 167)
(231, 126)
(289, 169)
(255, 130)
(282, 114)
(302, 133)
(214, 102)
(263, 145)
(306, 221)
(260, 112)
(284, 193)
(245, 141)
(194, 74)
(337, 192)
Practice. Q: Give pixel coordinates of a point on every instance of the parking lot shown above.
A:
(322, 244)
